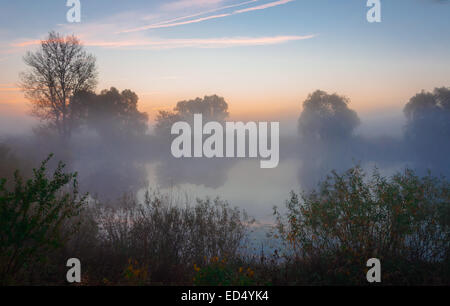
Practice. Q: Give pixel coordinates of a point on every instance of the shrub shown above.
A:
(404, 221)
(165, 236)
(32, 217)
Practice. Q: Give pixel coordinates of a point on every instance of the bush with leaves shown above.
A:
(33, 219)
(404, 221)
(167, 236)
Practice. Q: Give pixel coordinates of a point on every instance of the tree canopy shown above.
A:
(327, 117)
(111, 113)
(57, 70)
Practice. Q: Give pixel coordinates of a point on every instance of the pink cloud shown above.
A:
(26, 43)
(183, 43)
(198, 43)
(10, 89)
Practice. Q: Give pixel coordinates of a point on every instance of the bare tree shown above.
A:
(58, 70)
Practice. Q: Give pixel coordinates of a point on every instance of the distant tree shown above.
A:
(429, 112)
(111, 113)
(164, 121)
(211, 107)
(58, 70)
(427, 129)
(327, 117)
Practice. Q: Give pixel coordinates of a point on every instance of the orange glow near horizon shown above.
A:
(271, 107)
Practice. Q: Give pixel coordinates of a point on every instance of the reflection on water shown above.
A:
(247, 186)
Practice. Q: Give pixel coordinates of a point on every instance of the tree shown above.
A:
(172, 170)
(428, 129)
(112, 162)
(327, 117)
(58, 70)
(326, 127)
(112, 114)
(429, 112)
(213, 108)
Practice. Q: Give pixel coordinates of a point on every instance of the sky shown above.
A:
(263, 56)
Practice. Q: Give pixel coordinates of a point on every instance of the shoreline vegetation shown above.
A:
(326, 235)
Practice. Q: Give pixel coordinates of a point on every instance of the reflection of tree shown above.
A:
(326, 128)
(199, 171)
(111, 163)
(211, 173)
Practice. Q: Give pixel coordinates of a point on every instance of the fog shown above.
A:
(113, 157)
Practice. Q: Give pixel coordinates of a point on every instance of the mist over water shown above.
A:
(328, 136)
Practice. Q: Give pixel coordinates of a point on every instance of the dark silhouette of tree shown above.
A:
(426, 112)
(164, 121)
(58, 70)
(427, 129)
(327, 118)
(213, 108)
(111, 113)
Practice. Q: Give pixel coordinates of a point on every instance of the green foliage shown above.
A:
(403, 221)
(328, 234)
(32, 217)
(221, 273)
